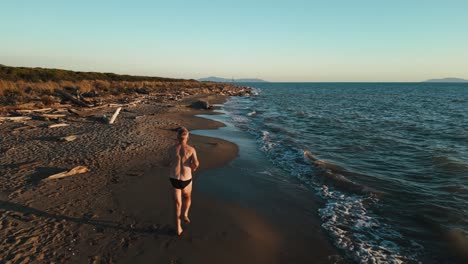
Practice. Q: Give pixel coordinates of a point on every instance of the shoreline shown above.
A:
(113, 212)
(253, 182)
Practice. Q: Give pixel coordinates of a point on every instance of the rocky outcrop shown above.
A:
(200, 104)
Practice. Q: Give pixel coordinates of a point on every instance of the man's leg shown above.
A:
(178, 208)
(187, 194)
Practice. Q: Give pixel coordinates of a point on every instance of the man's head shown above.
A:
(182, 134)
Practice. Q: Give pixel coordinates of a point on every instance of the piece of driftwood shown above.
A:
(63, 105)
(97, 107)
(27, 165)
(58, 125)
(53, 116)
(76, 170)
(24, 111)
(15, 118)
(42, 110)
(68, 138)
(60, 111)
(79, 113)
(74, 111)
(135, 103)
(114, 116)
(115, 105)
(71, 98)
(28, 111)
(142, 91)
(27, 126)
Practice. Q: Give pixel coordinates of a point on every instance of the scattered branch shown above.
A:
(76, 170)
(114, 116)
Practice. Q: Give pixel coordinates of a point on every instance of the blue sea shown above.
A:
(389, 161)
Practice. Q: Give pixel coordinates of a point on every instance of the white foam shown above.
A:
(267, 143)
(357, 231)
(256, 91)
(239, 119)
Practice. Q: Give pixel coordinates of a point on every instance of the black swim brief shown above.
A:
(178, 184)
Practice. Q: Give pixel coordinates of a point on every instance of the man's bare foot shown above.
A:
(179, 231)
(186, 219)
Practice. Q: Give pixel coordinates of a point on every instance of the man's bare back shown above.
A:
(183, 161)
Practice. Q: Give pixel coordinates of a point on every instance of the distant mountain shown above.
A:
(218, 79)
(448, 80)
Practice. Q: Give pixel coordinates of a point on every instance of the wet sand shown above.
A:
(122, 210)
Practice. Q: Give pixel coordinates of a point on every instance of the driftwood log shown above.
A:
(114, 116)
(28, 111)
(71, 98)
(68, 138)
(27, 165)
(53, 116)
(76, 170)
(58, 125)
(27, 126)
(15, 118)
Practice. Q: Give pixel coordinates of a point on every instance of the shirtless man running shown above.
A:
(183, 161)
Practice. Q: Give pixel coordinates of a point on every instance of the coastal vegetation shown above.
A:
(8, 73)
(43, 87)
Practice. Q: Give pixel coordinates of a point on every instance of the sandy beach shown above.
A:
(121, 211)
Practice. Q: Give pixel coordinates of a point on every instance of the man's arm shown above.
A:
(195, 162)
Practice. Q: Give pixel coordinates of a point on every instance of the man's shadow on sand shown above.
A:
(100, 225)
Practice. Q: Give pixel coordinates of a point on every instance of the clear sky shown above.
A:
(289, 40)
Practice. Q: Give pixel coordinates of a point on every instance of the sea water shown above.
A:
(389, 161)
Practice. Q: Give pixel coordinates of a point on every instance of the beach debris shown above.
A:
(90, 94)
(42, 110)
(76, 170)
(87, 113)
(70, 97)
(27, 165)
(114, 116)
(76, 112)
(53, 116)
(14, 118)
(62, 111)
(28, 111)
(200, 104)
(23, 111)
(68, 138)
(115, 105)
(26, 126)
(142, 91)
(58, 125)
(134, 103)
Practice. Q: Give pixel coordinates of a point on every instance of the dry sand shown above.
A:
(122, 210)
